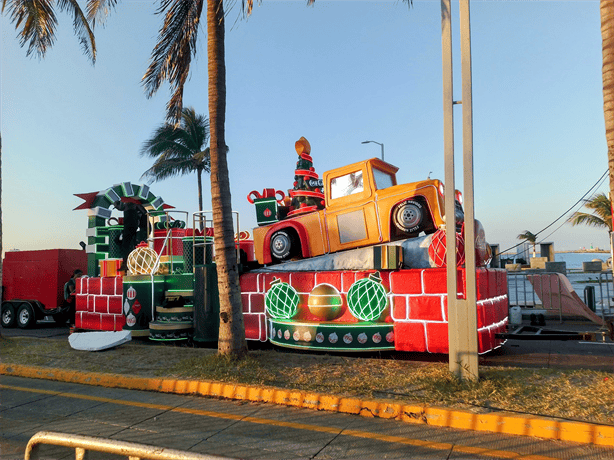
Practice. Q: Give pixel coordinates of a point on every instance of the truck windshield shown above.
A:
(382, 179)
(345, 185)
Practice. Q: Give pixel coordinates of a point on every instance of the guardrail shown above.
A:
(131, 450)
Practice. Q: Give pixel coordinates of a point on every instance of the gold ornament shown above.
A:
(325, 302)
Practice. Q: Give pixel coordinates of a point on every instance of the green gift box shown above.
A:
(266, 210)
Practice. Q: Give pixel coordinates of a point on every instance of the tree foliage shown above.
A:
(180, 149)
(601, 216)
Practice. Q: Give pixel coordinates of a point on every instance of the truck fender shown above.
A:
(300, 230)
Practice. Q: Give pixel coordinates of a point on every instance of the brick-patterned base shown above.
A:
(99, 304)
(418, 305)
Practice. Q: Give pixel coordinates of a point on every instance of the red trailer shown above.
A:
(33, 285)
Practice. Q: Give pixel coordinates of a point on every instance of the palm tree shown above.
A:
(530, 237)
(180, 150)
(601, 216)
(606, 8)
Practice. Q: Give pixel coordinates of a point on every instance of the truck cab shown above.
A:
(364, 206)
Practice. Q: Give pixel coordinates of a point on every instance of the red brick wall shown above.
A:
(99, 304)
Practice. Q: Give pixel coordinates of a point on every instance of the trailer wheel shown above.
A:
(7, 317)
(25, 316)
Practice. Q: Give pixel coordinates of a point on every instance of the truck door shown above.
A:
(351, 217)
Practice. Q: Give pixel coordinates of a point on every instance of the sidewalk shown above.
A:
(143, 365)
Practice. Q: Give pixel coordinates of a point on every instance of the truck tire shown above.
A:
(7, 317)
(25, 316)
(282, 245)
(408, 216)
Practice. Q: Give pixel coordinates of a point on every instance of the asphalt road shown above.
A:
(241, 430)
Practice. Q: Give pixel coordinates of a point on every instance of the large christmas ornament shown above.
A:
(281, 301)
(367, 298)
(325, 302)
(142, 260)
(437, 249)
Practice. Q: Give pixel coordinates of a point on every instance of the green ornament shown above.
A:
(367, 298)
(281, 300)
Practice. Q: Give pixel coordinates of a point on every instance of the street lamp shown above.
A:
(381, 145)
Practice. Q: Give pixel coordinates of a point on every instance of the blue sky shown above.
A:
(338, 73)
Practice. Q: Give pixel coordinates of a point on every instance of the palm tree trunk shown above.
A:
(607, 37)
(231, 339)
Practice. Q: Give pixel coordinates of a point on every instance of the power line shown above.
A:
(597, 184)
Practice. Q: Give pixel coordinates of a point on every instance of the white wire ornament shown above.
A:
(142, 260)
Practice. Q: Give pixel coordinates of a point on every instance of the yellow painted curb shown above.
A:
(499, 422)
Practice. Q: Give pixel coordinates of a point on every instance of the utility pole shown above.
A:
(462, 313)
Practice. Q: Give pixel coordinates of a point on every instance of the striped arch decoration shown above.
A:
(98, 205)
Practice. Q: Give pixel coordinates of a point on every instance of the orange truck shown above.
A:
(363, 206)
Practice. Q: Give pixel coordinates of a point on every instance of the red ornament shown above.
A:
(267, 212)
(136, 307)
(437, 249)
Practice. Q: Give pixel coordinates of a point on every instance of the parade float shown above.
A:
(350, 262)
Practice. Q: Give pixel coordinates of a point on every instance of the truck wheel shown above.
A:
(8, 316)
(282, 245)
(408, 216)
(25, 316)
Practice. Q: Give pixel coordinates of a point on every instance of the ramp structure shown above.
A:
(558, 296)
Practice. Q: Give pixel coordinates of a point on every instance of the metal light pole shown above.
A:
(462, 313)
(381, 145)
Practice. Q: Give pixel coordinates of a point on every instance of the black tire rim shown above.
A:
(408, 216)
(281, 245)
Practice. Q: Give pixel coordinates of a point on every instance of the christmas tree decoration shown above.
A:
(142, 260)
(307, 194)
(367, 298)
(325, 302)
(281, 300)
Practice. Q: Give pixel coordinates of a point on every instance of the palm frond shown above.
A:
(178, 150)
(527, 235)
(170, 59)
(602, 213)
(165, 168)
(37, 21)
(99, 10)
(81, 27)
(591, 220)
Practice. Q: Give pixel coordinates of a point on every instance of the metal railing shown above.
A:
(131, 450)
(521, 292)
(201, 220)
